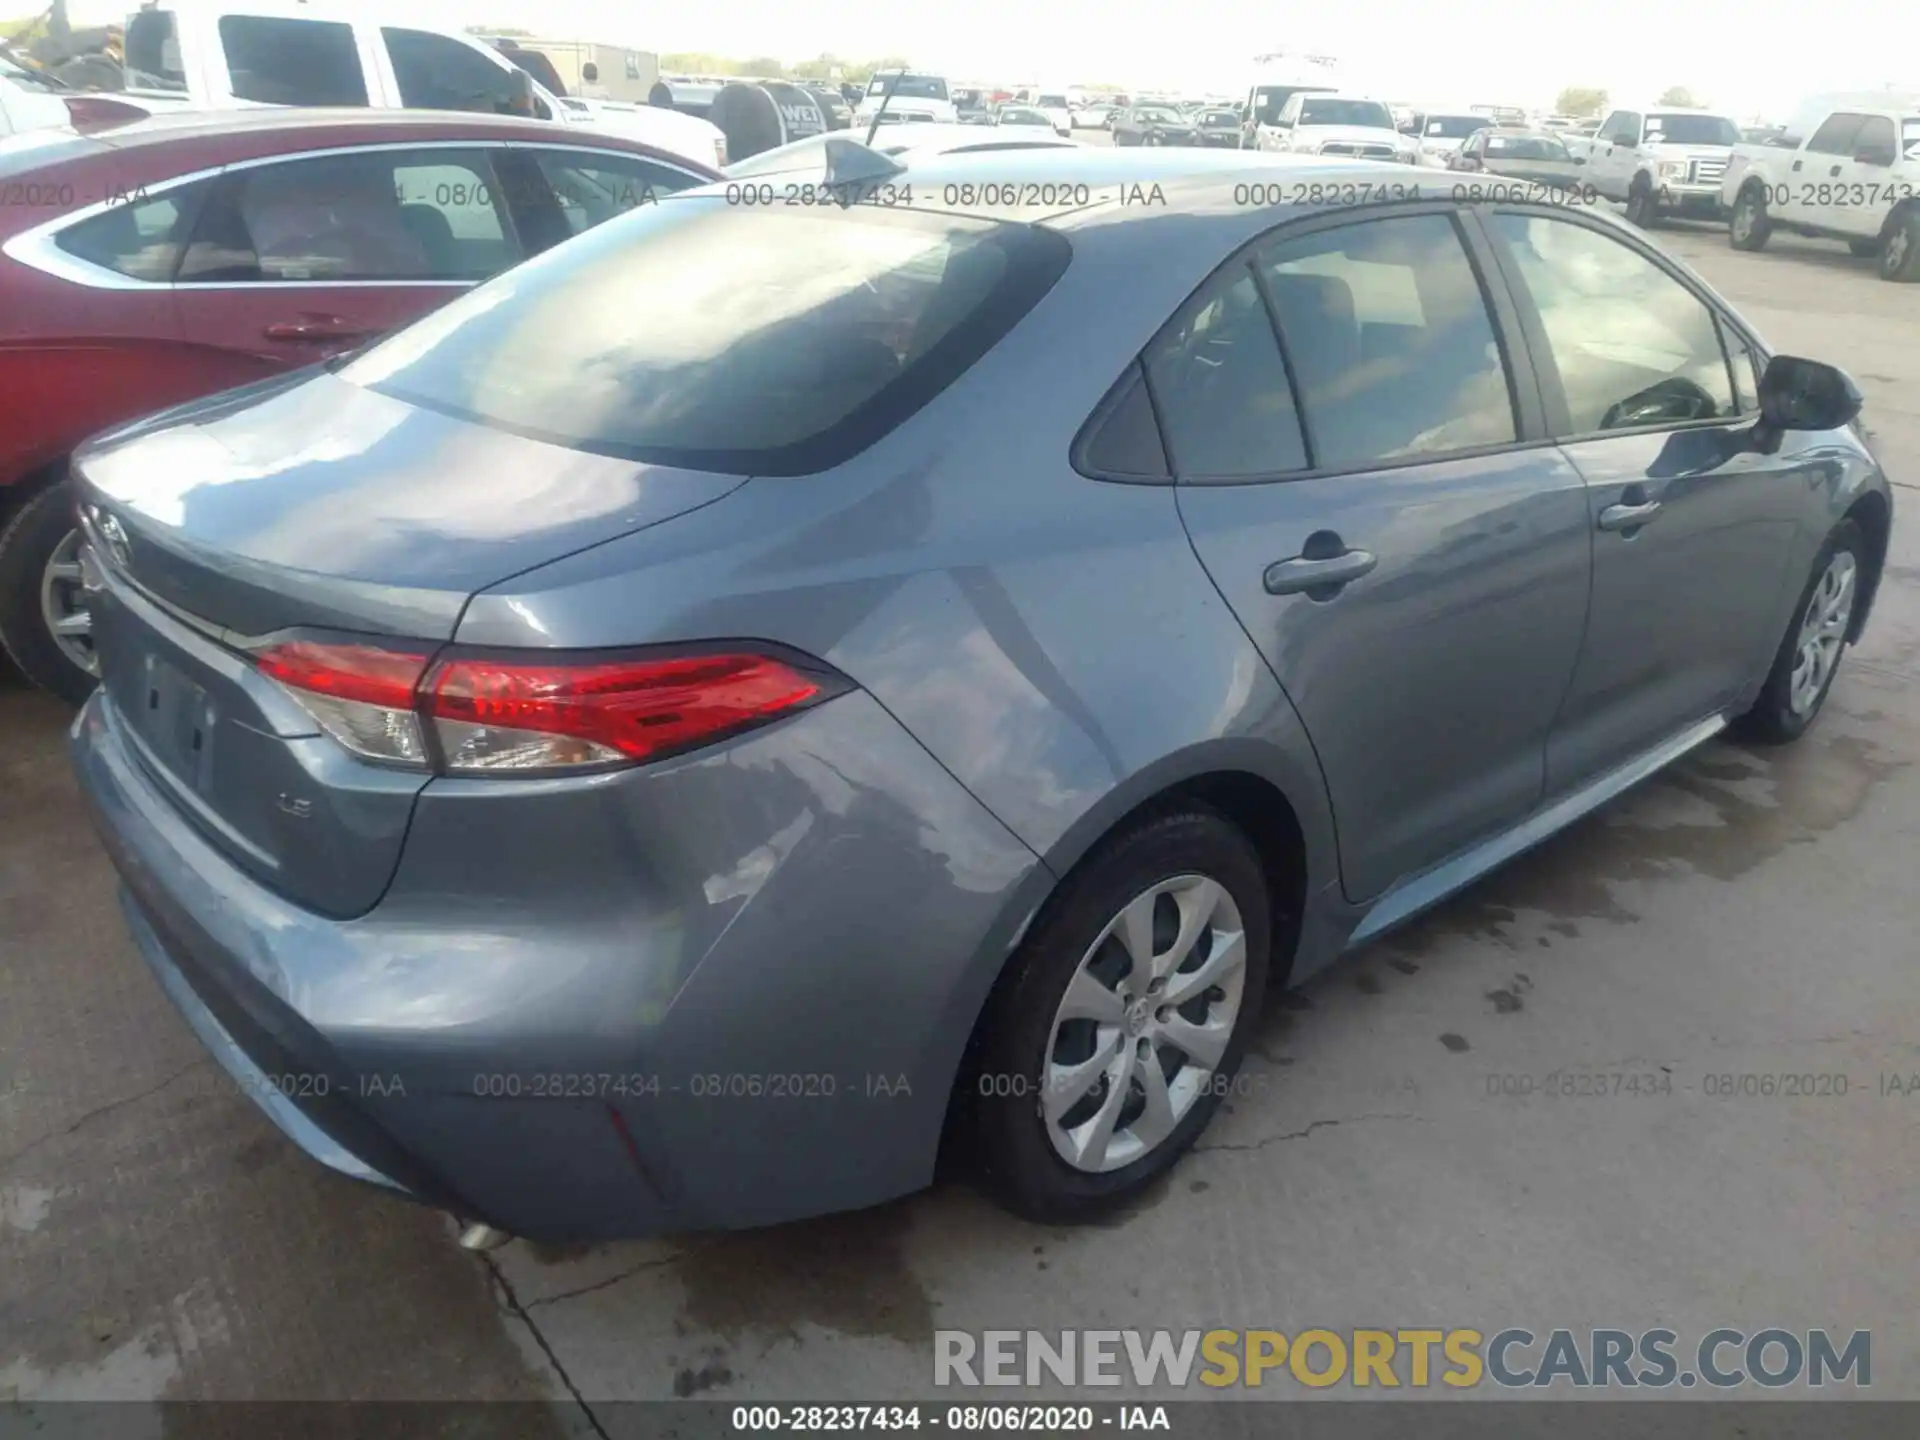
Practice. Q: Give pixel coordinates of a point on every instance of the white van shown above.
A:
(194, 56)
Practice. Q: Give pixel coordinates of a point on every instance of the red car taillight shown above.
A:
(488, 714)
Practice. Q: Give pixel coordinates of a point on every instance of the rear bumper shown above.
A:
(594, 1011)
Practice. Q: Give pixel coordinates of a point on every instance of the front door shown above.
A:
(1692, 532)
(1414, 573)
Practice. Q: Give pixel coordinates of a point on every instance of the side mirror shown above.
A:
(520, 93)
(1797, 394)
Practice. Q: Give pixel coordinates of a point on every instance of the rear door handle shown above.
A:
(1834, 171)
(1292, 577)
(316, 328)
(1628, 517)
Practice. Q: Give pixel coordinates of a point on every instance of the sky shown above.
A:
(1746, 57)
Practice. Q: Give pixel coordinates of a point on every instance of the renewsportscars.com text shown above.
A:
(1459, 1358)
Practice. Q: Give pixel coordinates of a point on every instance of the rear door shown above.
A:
(1692, 533)
(1376, 503)
(295, 261)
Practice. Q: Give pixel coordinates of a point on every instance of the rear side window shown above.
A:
(592, 189)
(143, 240)
(717, 338)
(1222, 388)
(292, 62)
(1390, 342)
(378, 215)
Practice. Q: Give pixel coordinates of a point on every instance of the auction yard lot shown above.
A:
(1748, 914)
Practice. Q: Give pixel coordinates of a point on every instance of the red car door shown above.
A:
(297, 260)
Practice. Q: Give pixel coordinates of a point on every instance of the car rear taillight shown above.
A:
(361, 695)
(471, 714)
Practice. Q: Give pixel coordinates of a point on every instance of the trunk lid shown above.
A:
(310, 504)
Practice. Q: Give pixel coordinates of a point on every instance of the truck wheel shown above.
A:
(1642, 209)
(1864, 248)
(1900, 252)
(43, 615)
(1749, 228)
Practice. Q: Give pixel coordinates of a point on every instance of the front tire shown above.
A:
(1642, 208)
(1900, 250)
(1108, 1045)
(44, 624)
(1810, 652)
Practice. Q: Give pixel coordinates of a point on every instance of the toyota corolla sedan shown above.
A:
(149, 263)
(675, 734)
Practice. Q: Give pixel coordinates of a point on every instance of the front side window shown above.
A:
(292, 62)
(142, 241)
(437, 72)
(379, 215)
(1633, 346)
(150, 50)
(1836, 135)
(1390, 341)
(720, 338)
(1622, 129)
(1221, 386)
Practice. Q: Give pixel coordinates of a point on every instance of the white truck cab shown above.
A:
(1316, 122)
(1662, 160)
(195, 56)
(1846, 168)
(1280, 77)
(915, 97)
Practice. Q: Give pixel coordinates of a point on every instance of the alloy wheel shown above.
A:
(1823, 631)
(63, 605)
(1143, 1023)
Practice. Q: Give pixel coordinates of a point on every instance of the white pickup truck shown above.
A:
(1847, 168)
(1662, 161)
(193, 56)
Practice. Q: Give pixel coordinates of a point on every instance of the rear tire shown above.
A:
(1749, 227)
(1184, 875)
(1900, 249)
(1793, 696)
(29, 544)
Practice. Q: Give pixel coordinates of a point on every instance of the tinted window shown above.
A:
(915, 87)
(1691, 130)
(721, 338)
(1876, 138)
(1222, 386)
(379, 215)
(1451, 127)
(1390, 341)
(437, 72)
(1623, 128)
(142, 240)
(1836, 135)
(1632, 344)
(1526, 147)
(1125, 438)
(592, 189)
(292, 62)
(151, 47)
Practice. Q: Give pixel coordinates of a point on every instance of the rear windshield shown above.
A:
(1452, 127)
(1346, 112)
(718, 337)
(911, 87)
(1692, 130)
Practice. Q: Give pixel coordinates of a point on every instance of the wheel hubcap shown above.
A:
(63, 605)
(1743, 220)
(1896, 249)
(1144, 1023)
(1823, 631)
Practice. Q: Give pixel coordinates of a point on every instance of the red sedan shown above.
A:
(170, 258)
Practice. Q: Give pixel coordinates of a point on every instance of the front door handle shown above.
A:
(1319, 577)
(317, 329)
(1628, 517)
